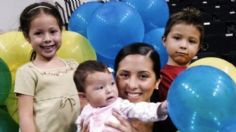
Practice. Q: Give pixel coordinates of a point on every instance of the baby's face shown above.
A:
(100, 89)
(182, 44)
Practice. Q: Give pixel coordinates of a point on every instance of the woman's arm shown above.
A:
(25, 105)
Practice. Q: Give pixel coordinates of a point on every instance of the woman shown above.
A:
(137, 71)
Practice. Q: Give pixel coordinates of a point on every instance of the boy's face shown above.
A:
(100, 89)
(182, 44)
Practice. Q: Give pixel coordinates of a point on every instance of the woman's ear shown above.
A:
(158, 82)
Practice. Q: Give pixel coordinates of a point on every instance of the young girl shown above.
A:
(47, 96)
(94, 80)
(182, 38)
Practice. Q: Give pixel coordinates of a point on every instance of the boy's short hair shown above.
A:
(84, 69)
(188, 15)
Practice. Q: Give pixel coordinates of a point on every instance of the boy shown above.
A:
(182, 38)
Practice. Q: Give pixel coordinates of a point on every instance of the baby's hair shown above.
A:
(33, 10)
(86, 68)
(139, 48)
(189, 15)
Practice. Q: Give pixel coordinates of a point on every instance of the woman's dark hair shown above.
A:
(139, 49)
(84, 69)
(31, 12)
(189, 15)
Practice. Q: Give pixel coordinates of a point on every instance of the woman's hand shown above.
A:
(123, 126)
(84, 127)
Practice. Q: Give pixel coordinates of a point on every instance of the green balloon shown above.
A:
(5, 81)
(7, 124)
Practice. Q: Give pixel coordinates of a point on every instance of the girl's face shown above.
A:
(135, 78)
(44, 36)
(100, 89)
(182, 44)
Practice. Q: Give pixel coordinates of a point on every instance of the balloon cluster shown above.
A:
(16, 51)
(112, 25)
(218, 63)
(202, 97)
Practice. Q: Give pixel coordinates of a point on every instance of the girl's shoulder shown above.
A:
(71, 63)
(26, 66)
(27, 69)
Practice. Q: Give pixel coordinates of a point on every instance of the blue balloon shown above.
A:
(230, 126)
(80, 18)
(154, 37)
(201, 99)
(113, 26)
(107, 61)
(154, 13)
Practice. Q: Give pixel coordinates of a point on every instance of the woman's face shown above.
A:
(135, 78)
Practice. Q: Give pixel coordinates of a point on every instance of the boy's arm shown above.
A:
(145, 111)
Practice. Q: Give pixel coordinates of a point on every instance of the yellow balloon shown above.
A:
(219, 63)
(15, 51)
(76, 46)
